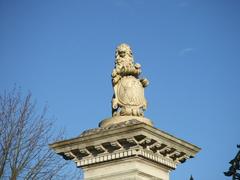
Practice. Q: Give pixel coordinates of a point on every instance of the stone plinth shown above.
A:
(121, 119)
(127, 150)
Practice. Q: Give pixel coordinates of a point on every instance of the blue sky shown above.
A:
(63, 52)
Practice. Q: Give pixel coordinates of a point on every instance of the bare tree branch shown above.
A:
(24, 139)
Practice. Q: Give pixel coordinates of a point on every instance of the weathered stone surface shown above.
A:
(128, 98)
(119, 142)
(119, 120)
(133, 168)
(126, 146)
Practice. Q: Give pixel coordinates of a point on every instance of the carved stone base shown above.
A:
(125, 151)
(121, 119)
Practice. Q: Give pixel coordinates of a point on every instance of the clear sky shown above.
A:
(63, 52)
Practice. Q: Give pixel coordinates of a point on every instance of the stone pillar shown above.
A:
(126, 146)
(132, 168)
(128, 150)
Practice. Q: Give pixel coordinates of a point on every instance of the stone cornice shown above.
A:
(123, 140)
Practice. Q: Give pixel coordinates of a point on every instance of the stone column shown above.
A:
(126, 146)
(128, 150)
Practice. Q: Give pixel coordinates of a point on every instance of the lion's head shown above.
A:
(123, 51)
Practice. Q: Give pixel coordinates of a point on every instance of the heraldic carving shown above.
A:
(128, 98)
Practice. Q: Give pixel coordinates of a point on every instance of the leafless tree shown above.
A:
(24, 138)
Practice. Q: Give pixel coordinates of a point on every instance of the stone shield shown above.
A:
(130, 92)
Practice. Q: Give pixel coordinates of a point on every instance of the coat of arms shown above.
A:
(128, 98)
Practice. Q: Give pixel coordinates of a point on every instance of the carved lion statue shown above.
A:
(124, 63)
(128, 98)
